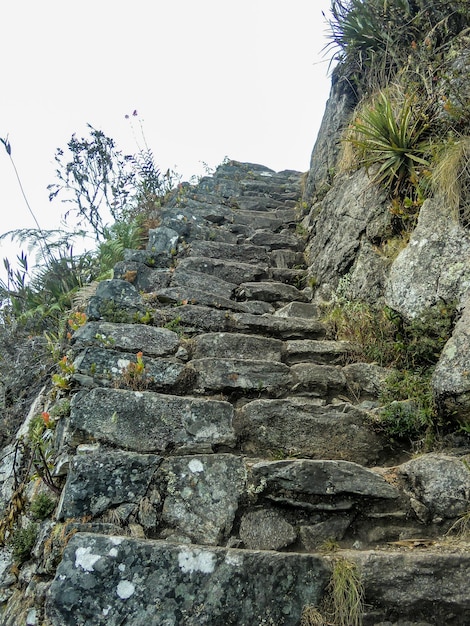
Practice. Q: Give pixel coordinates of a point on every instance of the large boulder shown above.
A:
(434, 266)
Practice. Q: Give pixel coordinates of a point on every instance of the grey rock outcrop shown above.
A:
(434, 266)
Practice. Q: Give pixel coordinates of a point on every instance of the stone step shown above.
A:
(286, 259)
(244, 253)
(202, 281)
(137, 580)
(297, 309)
(322, 352)
(101, 367)
(307, 428)
(277, 241)
(150, 340)
(192, 319)
(269, 292)
(236, 346)
(144, 421)
(264, 220)
(229, 271)
(225, 375)
(192, 295)
(154, 582)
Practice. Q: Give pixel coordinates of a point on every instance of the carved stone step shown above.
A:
(269, 292)
(244, 253)
(230, 271)
(149, 422)
(303, 427)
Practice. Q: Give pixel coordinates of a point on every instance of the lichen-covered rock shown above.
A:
(300, 427)
(119, 580)
(115, 300)
(440, 482)
(266, 529)
(237, 346)
(321, 478)
(451, 378)
(149, 422)
(128, 337)
(434, 265)
(213, 374)
(202, 494)
(105, 479)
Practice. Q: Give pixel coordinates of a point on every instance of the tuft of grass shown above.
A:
(311, 616)
(451, 179)
(346, 592)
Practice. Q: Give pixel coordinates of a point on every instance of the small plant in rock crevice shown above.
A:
(22, 542)
(134, 375)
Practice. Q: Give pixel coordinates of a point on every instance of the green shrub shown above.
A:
(22, 541)
(42, 506)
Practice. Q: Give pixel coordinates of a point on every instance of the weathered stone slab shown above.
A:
(269, 292)
(286, 258)
(291, 328)
(128, 337)
(229, 271)
(162, 240)
(366, 380)
(192, 295)
(267, 220)
(114, 297)
(250, 375)
(142, 277)
(297, 309)
(321, 478)
(439, 481)
(276, 241)
(320, 352)
(319, 380)
(299, 427)
(244, 253)
(108, 367)
(183, 277)
(194, 318)
(237, 346)
(202, 495)
(266, 529)
(120, 580)
(411, 587)
(105, 479)
(150, 422)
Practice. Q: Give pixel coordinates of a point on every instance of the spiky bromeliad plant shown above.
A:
(390, 138)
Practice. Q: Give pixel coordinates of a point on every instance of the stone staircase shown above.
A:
(206, 485)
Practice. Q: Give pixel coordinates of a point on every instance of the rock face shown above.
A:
(211, 453)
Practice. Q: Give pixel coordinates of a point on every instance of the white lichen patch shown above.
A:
(235, 560)
(191, 561)
(115, 540)
(122, 364)
(85, 559)
(113, 552)
(196, 466)
(125, 589)
(106, 610)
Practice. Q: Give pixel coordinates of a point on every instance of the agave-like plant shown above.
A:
(391, 141)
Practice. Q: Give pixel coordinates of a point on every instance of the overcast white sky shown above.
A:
(210, 78)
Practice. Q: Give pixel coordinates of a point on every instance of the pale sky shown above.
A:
(245, 79)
